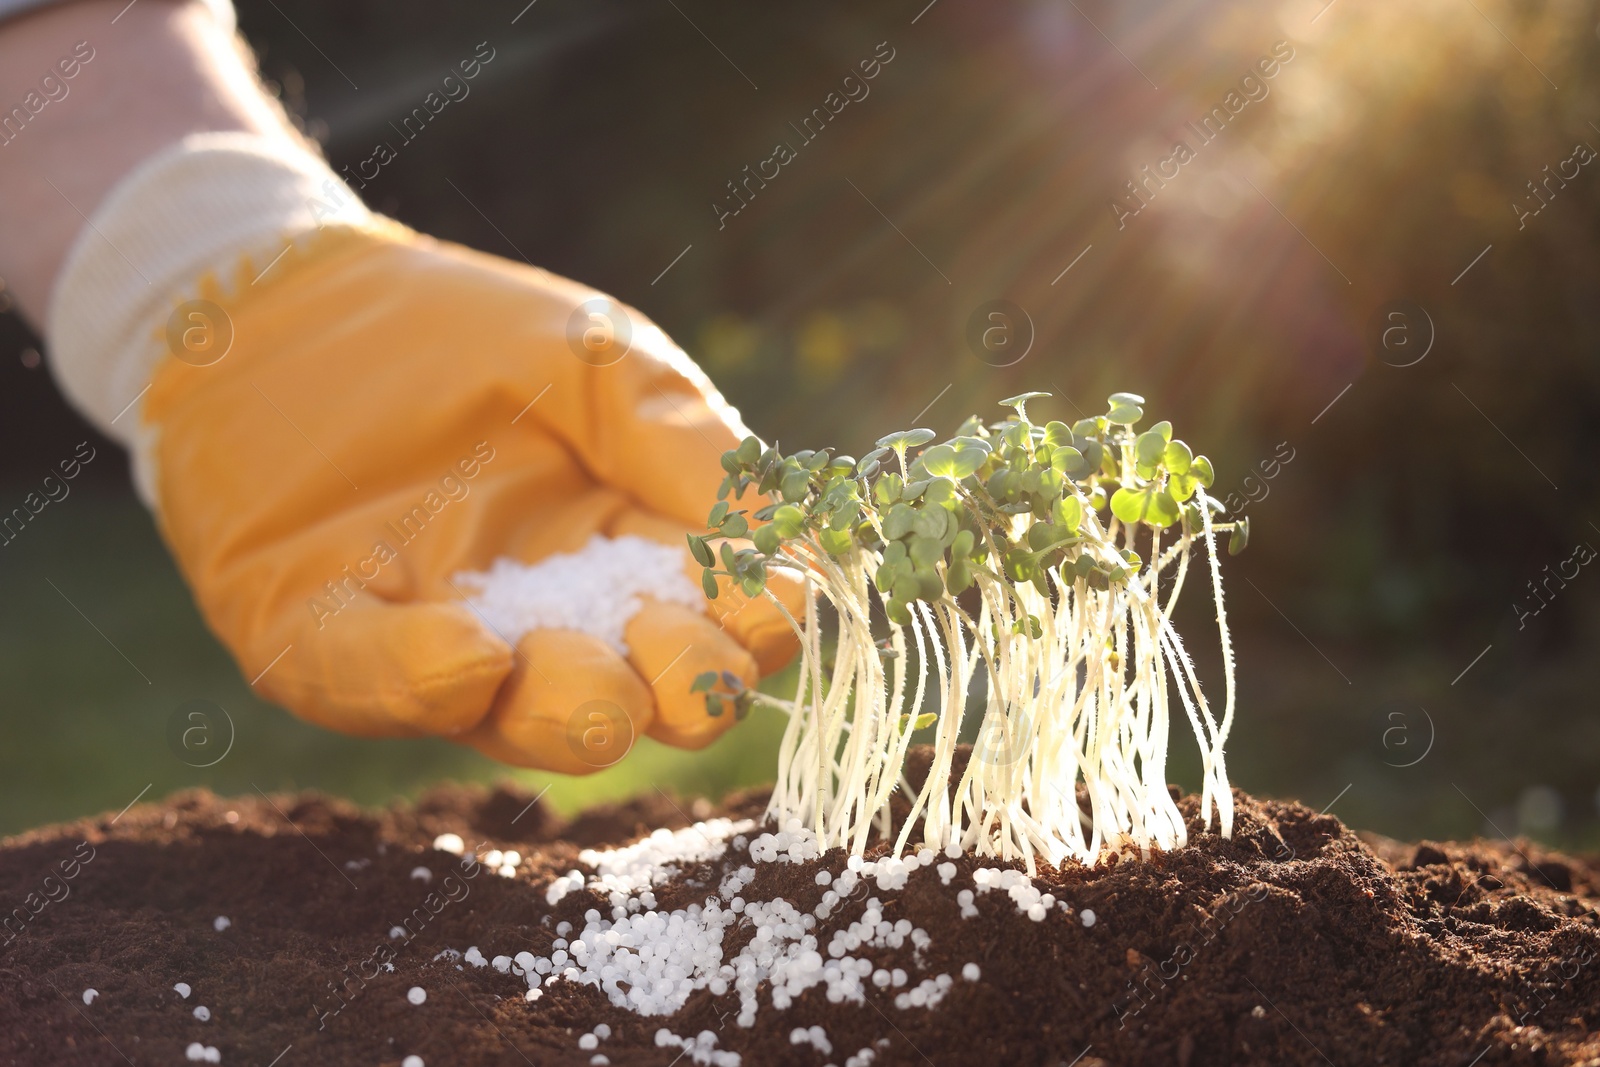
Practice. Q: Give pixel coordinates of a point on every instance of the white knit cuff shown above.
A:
(204, 206)
(221, 10)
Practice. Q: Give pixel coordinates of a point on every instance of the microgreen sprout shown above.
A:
(1042, 560)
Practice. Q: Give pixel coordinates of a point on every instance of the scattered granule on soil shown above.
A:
(1295, 942)
(596, 590)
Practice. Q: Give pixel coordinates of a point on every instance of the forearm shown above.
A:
(164, 70)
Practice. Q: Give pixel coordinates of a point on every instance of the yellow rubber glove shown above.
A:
(393, 410)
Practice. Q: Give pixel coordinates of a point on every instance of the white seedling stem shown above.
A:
(1082, 706)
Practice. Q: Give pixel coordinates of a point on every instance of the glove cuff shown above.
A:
(224, 205)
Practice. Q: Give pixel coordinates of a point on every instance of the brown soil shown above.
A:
(1296, 942)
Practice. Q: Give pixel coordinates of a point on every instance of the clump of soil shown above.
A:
(1295, 942)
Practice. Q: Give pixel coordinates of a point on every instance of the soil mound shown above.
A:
(1295, 942)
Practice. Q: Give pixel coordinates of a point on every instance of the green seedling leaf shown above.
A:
(703, 682)
(1020, 402)
(1177, 458)
(789, 521)
(1199, 473)
(708, 582)
(1069, 461)
(1067, 514)
(1149, 447)
(1124, 398)
(792, 486)
(1164, 428)
(921, 722)
(714, 705)
(940, 491)
(767, 540)
(701, 551)
(1239, 540)
(845, 517)
(749, 451)
(1016, 437)
(925, 551)
(1125, 414)
(1021, 565)
(718, 513)
(958, 577)
(1057, 433)
(951, 461)
(932, 522)
(835, 542)
(730, 462)
(903, 439)
(898, 522)
(735, 526)
(1029, 626)
(728, 562)
(1151, 506)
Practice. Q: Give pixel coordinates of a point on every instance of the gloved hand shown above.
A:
(393, 410)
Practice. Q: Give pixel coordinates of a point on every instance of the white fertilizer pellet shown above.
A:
(182, 989)
(202, 1013)
(89, 995)
(1087, 916)
(651, 961)
(971, 972)
(221, 923)
(421, 874)
(450, 843)
(596, 590)
(1018, 886)
(701, 1049)
(416, 994)
(599, 1060)
(397, 932)
(650, 862)
(202, 1053)
(602, 1031)
(815, 1036)
(412, 1061)
(588, 1042)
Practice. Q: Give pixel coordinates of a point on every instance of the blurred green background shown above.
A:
(1383, 663)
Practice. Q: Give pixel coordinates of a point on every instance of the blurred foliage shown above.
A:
(1243, 301)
